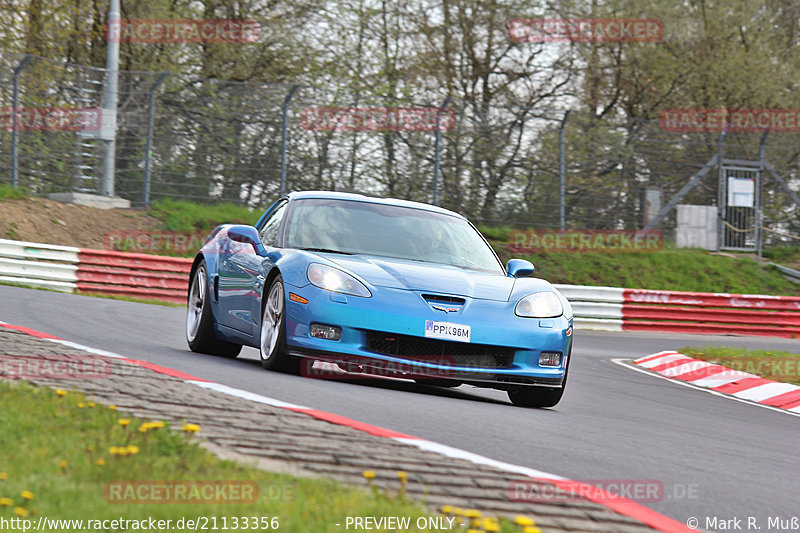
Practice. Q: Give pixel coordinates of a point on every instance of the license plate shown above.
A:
(447, 330)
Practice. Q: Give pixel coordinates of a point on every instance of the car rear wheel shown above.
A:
(272, 342)
(199, 320)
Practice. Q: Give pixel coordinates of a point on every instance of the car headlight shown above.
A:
(539, 305)
(333, 279)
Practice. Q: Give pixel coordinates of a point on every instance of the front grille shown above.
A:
(448, 353)
(439, 298)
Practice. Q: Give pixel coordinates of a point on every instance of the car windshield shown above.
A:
(356, 227)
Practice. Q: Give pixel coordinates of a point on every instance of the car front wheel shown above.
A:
(272, 342)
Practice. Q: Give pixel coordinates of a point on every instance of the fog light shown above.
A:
(550, 359)
(331, 333)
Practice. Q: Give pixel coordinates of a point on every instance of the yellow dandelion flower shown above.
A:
(132, 450)
(457, 511)
(143, 428)
(100, 462)
(403, 476)
(90, 404)
(114, 450)
(523, 521)
(3, 476)
(61, 392)
(112, 407)
(472, 513)
(369, 474)
(531, 529)
(158, 424)
(26, 495)
(124, 422)
(191, 428)
(447, 509)
(81, 405)
(491, 525)
(6, 502)
(62, 464)
(89, 448)
(21, 511)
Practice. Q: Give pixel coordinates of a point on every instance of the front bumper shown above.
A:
(395, 312)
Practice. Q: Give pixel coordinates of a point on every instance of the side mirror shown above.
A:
(247, 235)
(519, 268)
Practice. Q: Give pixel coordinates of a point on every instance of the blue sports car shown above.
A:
(379, 287)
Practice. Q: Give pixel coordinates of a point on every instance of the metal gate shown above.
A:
(740, 205)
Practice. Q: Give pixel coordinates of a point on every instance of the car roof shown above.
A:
(333, 195)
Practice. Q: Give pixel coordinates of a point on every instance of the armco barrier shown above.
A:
(67, 269)
(605, 308)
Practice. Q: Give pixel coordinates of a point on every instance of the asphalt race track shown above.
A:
(715, 456)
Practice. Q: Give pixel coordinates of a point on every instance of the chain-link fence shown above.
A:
(212, 140)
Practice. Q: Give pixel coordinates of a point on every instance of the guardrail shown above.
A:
(617, 309)
(70, 269)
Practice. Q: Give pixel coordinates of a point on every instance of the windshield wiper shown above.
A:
(326, 250)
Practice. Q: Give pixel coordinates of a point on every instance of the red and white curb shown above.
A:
(616, 503)
(721, 379)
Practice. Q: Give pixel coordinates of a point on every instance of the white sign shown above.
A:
(741, 192)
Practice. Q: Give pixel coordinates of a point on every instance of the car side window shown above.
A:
(270, 230)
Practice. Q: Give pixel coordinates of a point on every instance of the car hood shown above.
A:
(426, 277)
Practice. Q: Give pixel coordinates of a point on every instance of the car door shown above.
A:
(242, 274)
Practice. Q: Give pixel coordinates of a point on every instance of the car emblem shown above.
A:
(445, 309)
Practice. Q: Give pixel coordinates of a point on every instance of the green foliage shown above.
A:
(7, 192)
(182, 215)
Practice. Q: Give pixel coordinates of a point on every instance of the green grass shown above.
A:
(7, 192)
(59, 449)
(773, 364)
(783, 254)
(672, 269)
(181, 215)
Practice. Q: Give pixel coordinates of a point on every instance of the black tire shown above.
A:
(199, 320)
(272, 334)
(539, 396)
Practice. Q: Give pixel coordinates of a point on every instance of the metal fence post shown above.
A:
(562, 174)
(149, 142)
(759, 211)
(437, 151)
(722, 199)
(284, 135)
(14, 106)
(112, 81)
